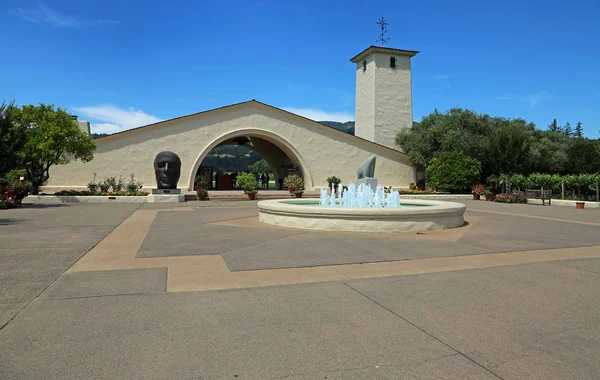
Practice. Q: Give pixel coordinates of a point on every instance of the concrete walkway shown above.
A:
(93, 291)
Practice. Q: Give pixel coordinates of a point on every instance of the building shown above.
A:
(288, 142)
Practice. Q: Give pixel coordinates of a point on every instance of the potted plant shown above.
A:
(200, 182)
(489, 195)
(477, 191)
(202, 194)
(298, 193)
(248, 183)
(293, 182)
(412, 186)
(333, 183)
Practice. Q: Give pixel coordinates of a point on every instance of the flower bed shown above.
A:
(11, 197)
(110, 193)
(510, 198)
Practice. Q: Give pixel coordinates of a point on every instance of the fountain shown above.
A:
(367, 207)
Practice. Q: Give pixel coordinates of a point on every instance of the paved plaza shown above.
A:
(203, 290)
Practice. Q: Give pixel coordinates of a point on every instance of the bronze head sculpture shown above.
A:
(167, 168)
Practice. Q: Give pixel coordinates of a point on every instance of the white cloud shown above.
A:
(44, 14)
(440, 77)
(111, 119)
(319, 115)
(535, 99)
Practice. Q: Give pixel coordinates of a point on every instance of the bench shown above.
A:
(539, 194)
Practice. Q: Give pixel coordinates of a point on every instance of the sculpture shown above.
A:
(366, 169)
(167, 168)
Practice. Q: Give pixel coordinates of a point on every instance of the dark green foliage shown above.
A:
(549, 152)
(98, 135)
(260, 167)
(502, 146)
(453, 171)
(51, 138)
(12, 139)
(347, 127)
(583, 156)
(554, 127)
(578, 130)
(507, 149)
(567, 130)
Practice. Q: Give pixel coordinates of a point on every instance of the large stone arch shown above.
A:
(271, 137)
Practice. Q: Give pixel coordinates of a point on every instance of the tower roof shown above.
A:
(382, 49)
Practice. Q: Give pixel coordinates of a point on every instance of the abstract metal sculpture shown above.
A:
(366, 169)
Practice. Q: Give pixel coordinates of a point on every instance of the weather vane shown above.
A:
(383, 24)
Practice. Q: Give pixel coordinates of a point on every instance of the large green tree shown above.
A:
(52, 137)
(456, 130)
(584, 156)
(509, 145)
(549, 152)
(11, 140)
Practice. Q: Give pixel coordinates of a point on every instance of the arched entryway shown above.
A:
(281, 156)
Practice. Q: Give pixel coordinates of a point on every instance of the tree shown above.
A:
(567, 130)
(259, 167)
(456, 130)
(52, 137)
(554, 127)
(584, 156)
(10, 139)
(578, 130)
(509, 146)
(549, 152)
(453, 171)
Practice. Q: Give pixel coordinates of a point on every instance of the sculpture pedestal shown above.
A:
(371, 182)
(165, 191)
(173, 198)
(166, 195)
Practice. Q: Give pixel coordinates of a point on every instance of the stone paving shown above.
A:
(202, 290)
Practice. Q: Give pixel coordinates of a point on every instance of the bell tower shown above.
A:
(383, 94)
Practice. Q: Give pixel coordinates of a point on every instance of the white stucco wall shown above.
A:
(383, 98)
(365, 100)
(320, 151)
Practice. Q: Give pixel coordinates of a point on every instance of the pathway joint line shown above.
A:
(425, 332)
(535, 217)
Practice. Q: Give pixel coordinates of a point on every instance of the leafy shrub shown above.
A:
(333, 180)
(132, 185)
(454, 172)
(93, 186)
(294, 181)
(119, 185)
(201, 181)
(247, 182)
(518, 181)
(488, 193)
(104, 186)
(202, 193)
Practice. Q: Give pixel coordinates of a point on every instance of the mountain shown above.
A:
(347, 127)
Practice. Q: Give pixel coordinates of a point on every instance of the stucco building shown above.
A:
(288, 142)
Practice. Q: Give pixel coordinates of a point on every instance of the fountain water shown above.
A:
(360, 197)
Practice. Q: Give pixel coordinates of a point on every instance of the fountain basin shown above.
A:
(414, 215)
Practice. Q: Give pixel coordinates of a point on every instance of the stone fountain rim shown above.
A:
(434, 208)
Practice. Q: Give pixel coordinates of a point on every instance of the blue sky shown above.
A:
(121, 64)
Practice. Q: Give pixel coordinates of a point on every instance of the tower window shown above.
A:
(393, 62)
(365, 65)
